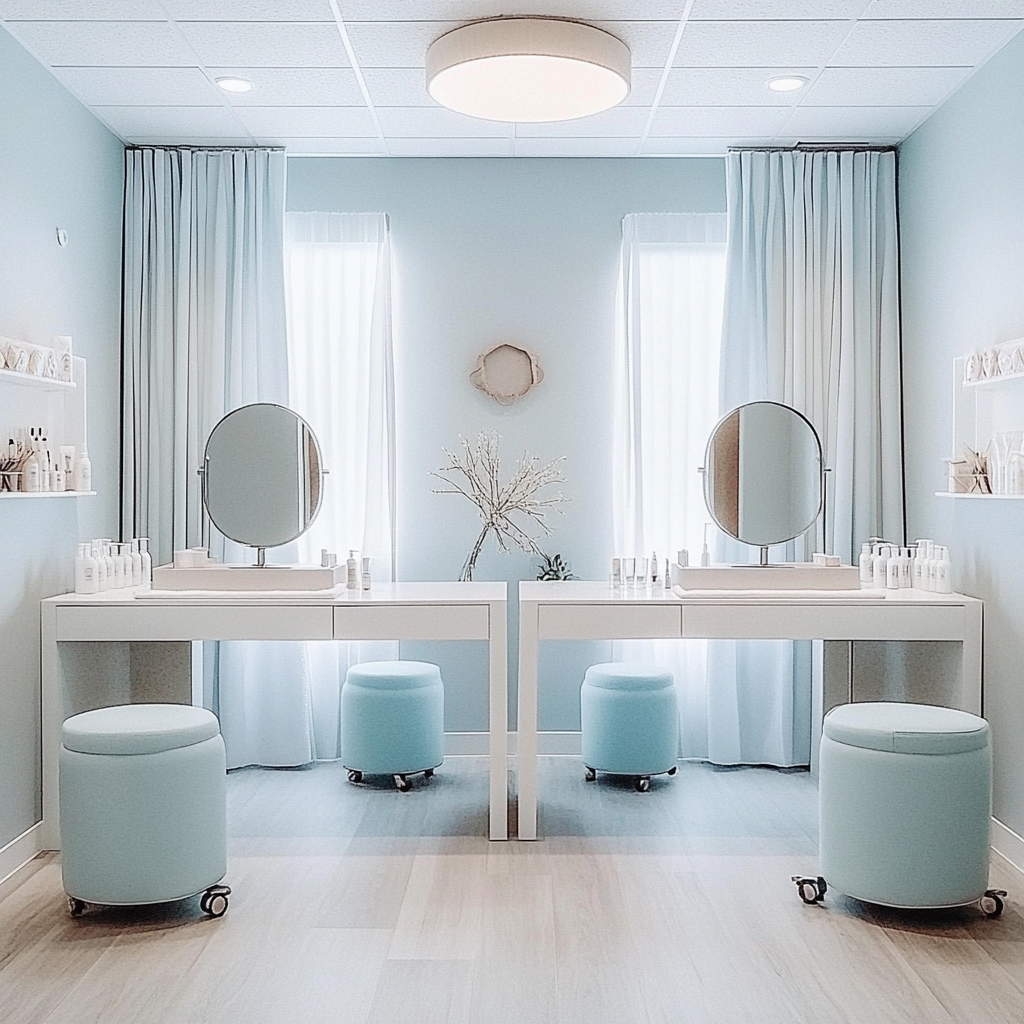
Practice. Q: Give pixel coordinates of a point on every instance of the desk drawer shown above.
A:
(412, 622)
(608, 622)
(180, 622)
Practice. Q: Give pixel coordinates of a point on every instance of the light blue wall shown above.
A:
(505, 250)
(962, 219)
(58, 167)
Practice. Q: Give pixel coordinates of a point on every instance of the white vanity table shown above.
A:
(396, 611)
(593, 611)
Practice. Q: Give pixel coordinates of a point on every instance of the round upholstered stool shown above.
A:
(392, 720)
(629, 720)
(905, 796)
(143, 807)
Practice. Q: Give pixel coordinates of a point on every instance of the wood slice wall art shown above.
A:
(506, 372)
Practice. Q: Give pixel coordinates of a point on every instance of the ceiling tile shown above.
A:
(712, 121)
(619, 121)
(436, 123)
(759, 43)
(161, 87)
(649, 42)
(784, 10)
(643, 87)
(945, 9)
(470, 10)
(105, 43)
(295, 87)
(449, 147)
(866, 87)
(81, 10)
(921, 43)
(397, 87)
(394, 44)
(576, 147)
(854, 122)
(353, 122)
(699, 146)
(729, 87)
(171, 123)
(249, 10)
(266, 45)
(333, 147)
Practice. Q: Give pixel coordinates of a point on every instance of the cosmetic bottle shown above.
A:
(880, 567)
(683, 557)
(932, 565)
(352, 571)
(85, 571)
(705, 555)
(641, 572)
(892, 570)
(30, 473)
(365, 575)
(136, 563)
(83, 470)
(666, 579)
(655, 566)
(108, 558)
(918, 568)
(906, 569)
(101, 565)
(117, 559)
(616, 576)
(147, 563)
(864, 564)
(943, 575)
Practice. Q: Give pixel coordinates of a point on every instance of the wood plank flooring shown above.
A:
(361, 905)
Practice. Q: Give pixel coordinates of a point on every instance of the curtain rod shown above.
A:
(813, 147)
(211, 149)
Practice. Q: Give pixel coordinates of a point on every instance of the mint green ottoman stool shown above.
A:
(905, 793)
(143, 807)
(629, 720)
(392, 720)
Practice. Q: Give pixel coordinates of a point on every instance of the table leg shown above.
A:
(498, 722)
(52, 709)
(526, 750)
(971, 697)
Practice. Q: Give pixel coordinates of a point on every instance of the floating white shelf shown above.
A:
(981, 497)
(45, 494)
(32, 381)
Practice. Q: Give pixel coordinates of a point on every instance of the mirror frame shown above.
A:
(705, 471)
(321, 472)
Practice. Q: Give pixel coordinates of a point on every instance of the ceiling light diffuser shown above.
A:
(528, 69)
(787, 83)
(229, 84)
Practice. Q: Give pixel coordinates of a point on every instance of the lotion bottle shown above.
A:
(881, 566)
(365, 577)
(30, 473)
(85, 572)
(147, 563)
(352, 571)
(101, 566)
(135, 560)
(864, 564)
(943, 581)
(892, 571)
(83, 470)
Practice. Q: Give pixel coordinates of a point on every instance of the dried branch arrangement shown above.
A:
(474, 472)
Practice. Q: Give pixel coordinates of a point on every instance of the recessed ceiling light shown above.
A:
(528, 69)
(787, 83)
(229, 84)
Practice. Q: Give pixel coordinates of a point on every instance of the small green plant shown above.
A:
(553, 568)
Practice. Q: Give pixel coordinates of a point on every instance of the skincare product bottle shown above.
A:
(932, 565)
(352, 571)
(641, 572)
(118, 562)
(880, 567)
(629, 571)
(101, 565)
(864, 564)
(655, 569)
(920, 553)
(147, 563)
(705, 555)
(666, 579)
(67, 463)
(85, 571)
(83, 470)
(683, 557)
(136, 562)
(943, 581)
(616, 577)
(108, 557)
(366, 573)
(892, 571)
(30, 473)
(906, 569)
(325, 562)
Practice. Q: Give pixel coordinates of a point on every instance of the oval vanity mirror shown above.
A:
(763, 474)
(263, 476)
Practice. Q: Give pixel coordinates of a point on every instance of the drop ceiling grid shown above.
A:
(876, 69)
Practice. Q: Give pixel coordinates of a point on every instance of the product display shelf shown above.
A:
(30, 380)
(5, 495)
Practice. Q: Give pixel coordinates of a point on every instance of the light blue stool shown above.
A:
(630, 721)
(392, 720)
(143, 807)
(905, 793)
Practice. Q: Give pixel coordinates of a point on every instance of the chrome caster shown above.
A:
(402, 784)
(673, 769)
(643, 784)
(811, 890)
(591, 774)
(354, 776)
(215, 900)
(992, 903)
(76, 907)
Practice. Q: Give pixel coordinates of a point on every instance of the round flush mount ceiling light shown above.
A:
(787, 83)
(528, 69)
(229, 84)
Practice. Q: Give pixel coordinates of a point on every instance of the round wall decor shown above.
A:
(506, 372)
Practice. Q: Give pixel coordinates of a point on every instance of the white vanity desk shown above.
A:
(396, 611)
(593, 611)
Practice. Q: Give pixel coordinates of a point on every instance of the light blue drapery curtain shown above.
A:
(812, 320)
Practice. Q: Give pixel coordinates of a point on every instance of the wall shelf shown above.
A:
(4, 495)
(30, 380)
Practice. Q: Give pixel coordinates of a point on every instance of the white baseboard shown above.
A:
(1008, 845)
(15, 856)
(476, 743)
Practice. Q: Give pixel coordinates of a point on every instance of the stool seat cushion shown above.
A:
(138, 729)
(394, 675)
(628, 675)
(906, 728)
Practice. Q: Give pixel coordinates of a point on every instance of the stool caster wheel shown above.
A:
(591, 774)
(429, 773)
(992, 903)
(811, 890)
(355, 776)
(402, 784)
(643, 784)
(215, 900)
(76, 907)
(673, 769)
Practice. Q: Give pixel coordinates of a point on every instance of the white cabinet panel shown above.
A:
(411, 622)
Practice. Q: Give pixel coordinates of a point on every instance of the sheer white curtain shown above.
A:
(672, 284)
(341, 380)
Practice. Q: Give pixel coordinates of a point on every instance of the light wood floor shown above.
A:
(360, 904)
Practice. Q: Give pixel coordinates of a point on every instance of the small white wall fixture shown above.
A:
(506, 372)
